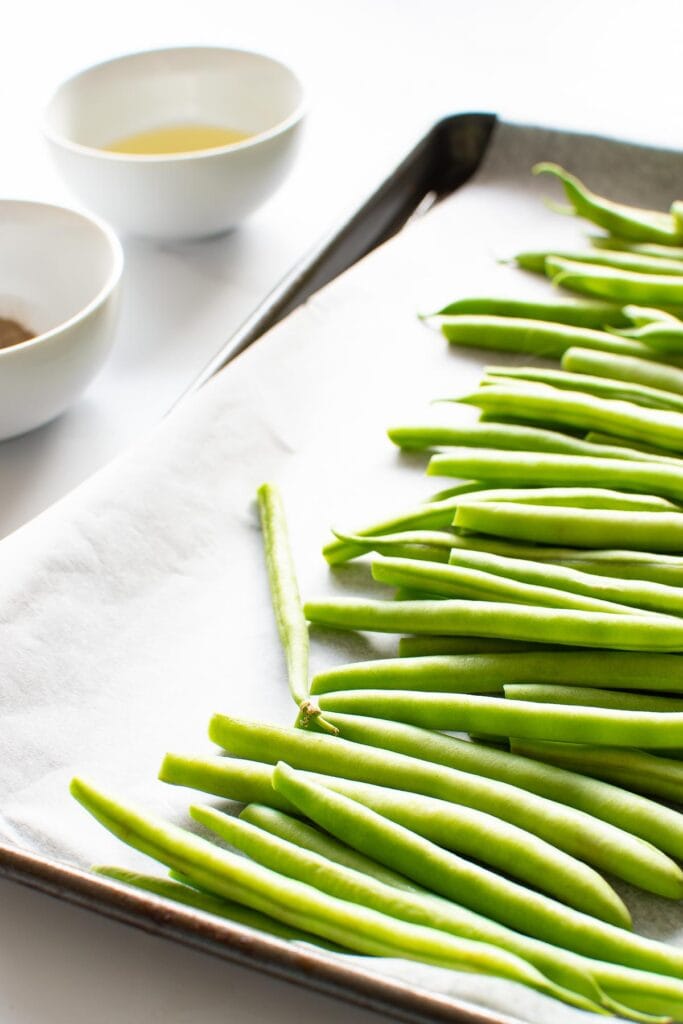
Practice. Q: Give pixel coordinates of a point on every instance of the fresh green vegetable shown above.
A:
(593, 697)
(616, 285)
(579, 313)
(641, 262)
(635, 371)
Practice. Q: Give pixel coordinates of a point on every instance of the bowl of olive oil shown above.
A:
(177, 143)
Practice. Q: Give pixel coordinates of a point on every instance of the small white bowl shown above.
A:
(179, 195)
(59, 279)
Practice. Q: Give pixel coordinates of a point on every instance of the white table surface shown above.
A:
(378, 73)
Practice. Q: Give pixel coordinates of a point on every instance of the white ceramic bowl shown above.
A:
(59, 278)
(181, 195)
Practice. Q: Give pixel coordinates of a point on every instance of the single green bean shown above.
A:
(661, 777)
(582, 835)
(639, 594)
(646, 264)
(434, 545)
(430, 515)
(633, 449)
(616, 244)
(421, 646)
(427, 864)
(436, 579)
(452, 674)
(646, 632)
(289, 616)
(653, 993)
(625, 221)
(534, 337)
(581, 411)
(639, 394)
(635, 371)
(580, 313)
(526, 719)
(618, 285)
(538, 470)
(298, 904)
(660, 826)
(191, 897)
(594, 697)
(640, 315)
(581, 528)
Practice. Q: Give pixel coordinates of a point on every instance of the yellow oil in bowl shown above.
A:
(181, 138)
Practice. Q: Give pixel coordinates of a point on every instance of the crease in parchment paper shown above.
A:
(138, 605)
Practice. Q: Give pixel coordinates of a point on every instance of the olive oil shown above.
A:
(181, 138)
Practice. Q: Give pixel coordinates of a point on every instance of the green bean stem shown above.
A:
(660, 826)
(289, 616)
(601, 844)
(638, 770)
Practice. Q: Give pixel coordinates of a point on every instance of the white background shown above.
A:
(378, 74)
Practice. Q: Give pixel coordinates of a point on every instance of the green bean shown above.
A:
(633, 769)
(640, 315)
(526, 719)
(580, 411)
(587, 528)
(635, 371)
(625, 221)
(436, 579)
(488, 435)
(646, 632)
(579, 313)
(613, 669)
(646, 264)
(291, 623)
(633, 449)
(579, 834)
(639, 394)
(429, 515)
(456, 827)
(660, 826)
(431, 544)
(298, 904)
(664, 337)
(450, 674)
(421, 646)
(615, 244)
(524, 857)
(588, 696)
(644, 595)
(656, 993)
(534, 337)
(428, 865)
(192, 897)
(618, 285)
(533, 470)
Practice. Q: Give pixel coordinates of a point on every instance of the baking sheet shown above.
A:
(138, 606)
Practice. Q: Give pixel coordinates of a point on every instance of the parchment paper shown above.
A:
(138, 606)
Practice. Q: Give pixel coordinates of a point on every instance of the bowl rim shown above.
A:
(100, 297)
(58, 139)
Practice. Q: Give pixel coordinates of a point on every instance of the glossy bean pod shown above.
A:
(617, 285)
(635, 371)
(579, 528)
(531, 469)
(592, 696)
(580, 313)
(642, 262)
